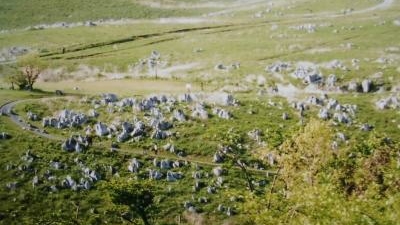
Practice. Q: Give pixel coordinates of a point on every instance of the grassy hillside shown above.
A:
(283, 161)
(21, 14)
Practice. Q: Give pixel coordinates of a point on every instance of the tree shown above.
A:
(137, 195)
(234, 151)
(14, 77)
(31, 66)
(154, 61)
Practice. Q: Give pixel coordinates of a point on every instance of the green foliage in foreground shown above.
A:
(357, 185)
(138, 196)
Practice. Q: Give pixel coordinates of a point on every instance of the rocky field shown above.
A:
(200, 112)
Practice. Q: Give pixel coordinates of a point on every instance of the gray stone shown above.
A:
(315, 101)
(211, 190)
(366, 127)
(134, 165)
(202, 200)
(255, 134)
(12, 185)
(155, 175)
(165, 164)
(331, 80)
(69, 144)
(324, 114)
(387, 103)
(222, 113)
(285, 116)
(126, 102)
(342, 118)
(229, 211)
(218, 171)
(313, 79)
(353, 86)
(109, 97)
(32, 116)
(93, 113)
(278, 67)
(159, 134)
(35, 181)
(176, 164)
(173, 176)
(217, 158)
(4, 136)
(197, 185)
(271, 159)
(187, 97)
(123, 136)
(101, 129)
(160, 124)
(156, 163)
(187, 204)
(200, 112)
(179, 115)
(196, 175)
(341, 136)
(366, 85)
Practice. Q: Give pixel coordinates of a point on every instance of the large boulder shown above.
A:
(200, 112)
(222, 113)
(366, 85)
(165, 164)
(353, 86)
(173, 176)
(179, 115)
(74, 144)
(155, 175)
(32, 116)
(324, 114)
(217, 158)
(123, 136)
(101, 129)
(218, 171)
(4, 136)
(134, 165)
(159, 134)
(109, 97)
(331, 80)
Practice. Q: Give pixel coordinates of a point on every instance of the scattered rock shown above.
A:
(366, 85)
(218, 171)
(4, 136)
(134, 165)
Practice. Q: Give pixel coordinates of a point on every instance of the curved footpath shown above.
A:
(6, 109)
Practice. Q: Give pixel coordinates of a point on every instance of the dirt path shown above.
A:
(6, 109)
(381, 6)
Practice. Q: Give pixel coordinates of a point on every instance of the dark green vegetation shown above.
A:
(314, 171)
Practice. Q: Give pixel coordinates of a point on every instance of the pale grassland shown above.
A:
(125, 87)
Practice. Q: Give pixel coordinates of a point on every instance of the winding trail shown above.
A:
(381, 6)
(7, 110)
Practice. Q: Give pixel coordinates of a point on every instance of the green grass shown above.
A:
(10, 95)
(21, 14)
(356, 184)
